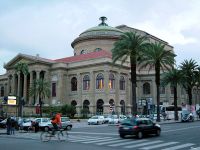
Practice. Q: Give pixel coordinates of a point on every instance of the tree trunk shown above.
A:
(133, 81)
(157, 69)
(175, 104)
(40, 102)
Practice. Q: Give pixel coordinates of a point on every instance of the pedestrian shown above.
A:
(8, 125)
(13, 125)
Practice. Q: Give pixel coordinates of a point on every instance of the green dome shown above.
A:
(99, 32)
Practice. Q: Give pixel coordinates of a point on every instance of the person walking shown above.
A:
(13, 125)
(8, 125)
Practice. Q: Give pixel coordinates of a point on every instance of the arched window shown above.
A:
(162, 90)
(86, 82)
(146, 88)
(100, 103)
(74, 103)
(86, 104)
(97, 49)
(83, 52)
(74, 84)
(122, 83)
(99, 81)
(2, 91)
(111, 83)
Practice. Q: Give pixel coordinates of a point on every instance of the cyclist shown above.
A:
(56, 122)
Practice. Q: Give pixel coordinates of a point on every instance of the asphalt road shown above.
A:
(183, 136)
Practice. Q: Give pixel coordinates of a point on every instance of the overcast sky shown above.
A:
(47, 27)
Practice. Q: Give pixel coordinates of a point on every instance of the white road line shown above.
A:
(87, 139)
(195, 148)
(93, 133)
(143, 144)
(110, 142)
(159, 145)
(125, 143)
(182, 129)
(179, 146)
(94, 141)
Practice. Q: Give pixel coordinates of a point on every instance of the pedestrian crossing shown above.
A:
(143, 144)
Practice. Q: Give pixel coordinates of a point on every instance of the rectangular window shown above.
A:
(53, 89)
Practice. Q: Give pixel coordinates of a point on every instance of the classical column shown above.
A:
(25, 88)
(31, 101)
(92, 93)
(8, 88)
(79, 90)
(117, 93)
(37, 77)
(18, 85)
(14, 85)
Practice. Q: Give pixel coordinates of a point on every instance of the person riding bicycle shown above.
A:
(55, 122)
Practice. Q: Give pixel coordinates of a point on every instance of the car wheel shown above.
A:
(122, 135)
(158, 132)
(46, 129)
(69, 127)
(140, 135)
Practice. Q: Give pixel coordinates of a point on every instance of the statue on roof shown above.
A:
(103, 19)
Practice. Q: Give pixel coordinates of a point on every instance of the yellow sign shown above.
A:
(11, 101)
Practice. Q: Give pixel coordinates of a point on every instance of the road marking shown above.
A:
(143, 144)
(179, 146)
(94, 141)
(195, 148)
(159, 145)
(181, 129)
(110, 142)
(93, 133)
(87, 139)
(125, 143)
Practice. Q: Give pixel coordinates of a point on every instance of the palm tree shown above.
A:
(155, 56)
(174, 78)
(40, 88)
(189, 69)
(129, 46)
(21, 68)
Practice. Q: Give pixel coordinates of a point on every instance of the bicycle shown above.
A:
(60, 134)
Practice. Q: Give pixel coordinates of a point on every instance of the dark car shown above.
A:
(138, 127)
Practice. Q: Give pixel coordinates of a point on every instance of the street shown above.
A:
(183, 136)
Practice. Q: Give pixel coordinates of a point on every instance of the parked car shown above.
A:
(113, 119)
(25, 123)
(96, 120)
(186, 116)
(66, 123)
(3, 123)
(138, 127)
(43, 123)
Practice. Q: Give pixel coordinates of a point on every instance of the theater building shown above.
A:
(88, 79)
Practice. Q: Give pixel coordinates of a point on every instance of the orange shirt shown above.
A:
(57, 119)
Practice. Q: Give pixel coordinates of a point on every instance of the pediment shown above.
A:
(26, 59)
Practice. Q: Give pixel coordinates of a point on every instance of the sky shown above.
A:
(48, 27)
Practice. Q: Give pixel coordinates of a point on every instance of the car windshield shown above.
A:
(64, 119)
(129, 122)
(94, 117)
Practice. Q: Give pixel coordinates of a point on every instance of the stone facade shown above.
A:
(88, 79)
